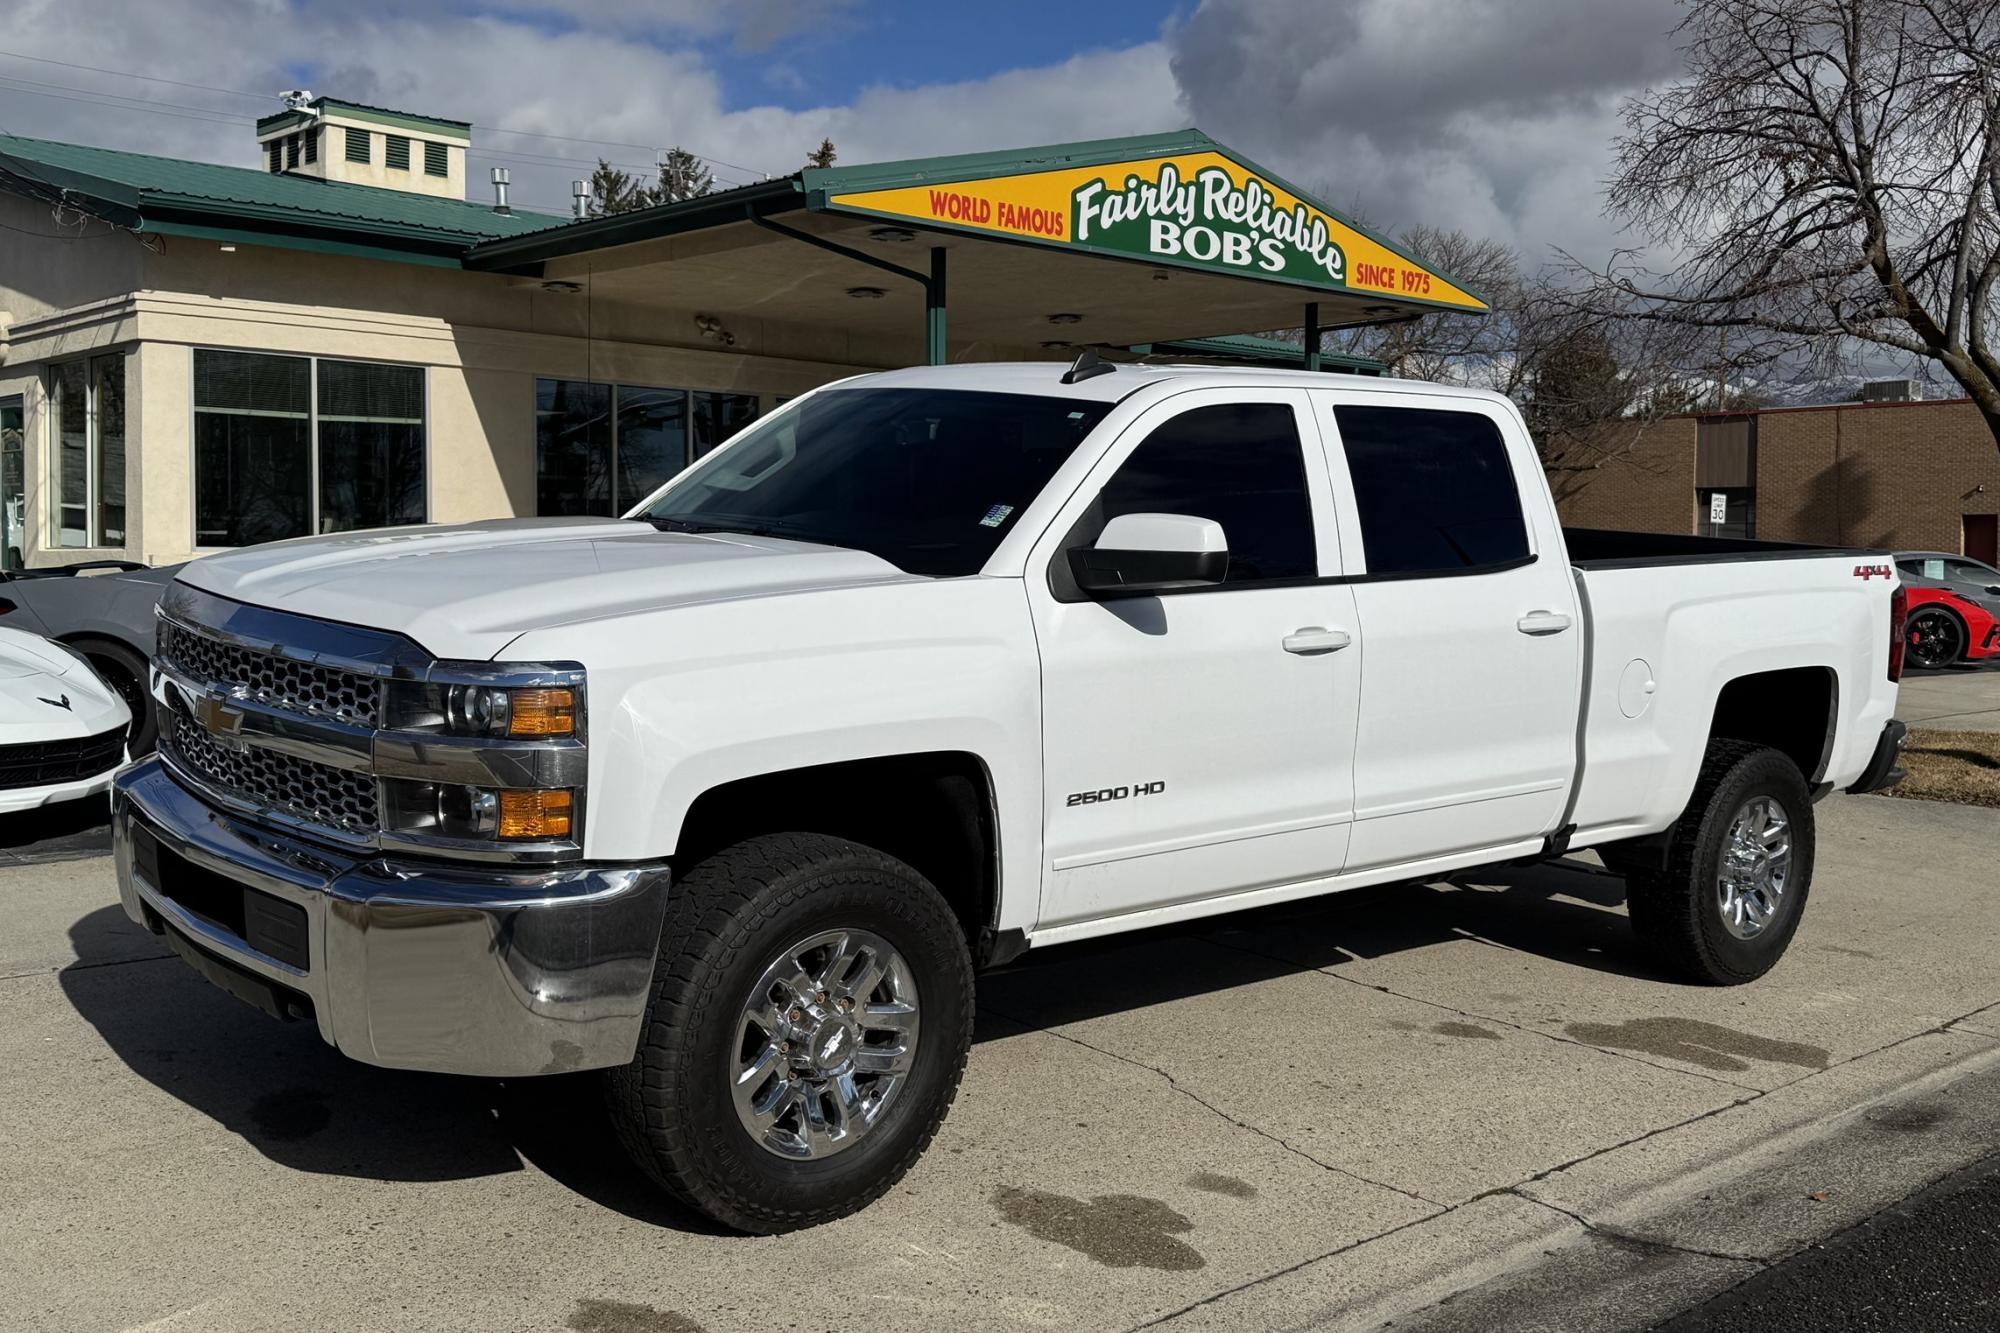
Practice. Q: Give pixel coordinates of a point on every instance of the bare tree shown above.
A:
(1448, 345)
(1827, 174)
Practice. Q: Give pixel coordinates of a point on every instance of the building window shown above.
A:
(370, 430)
(397, 154)
(600, 449)
(360, 148)
(275, 152)
(13, 484)
(87, 406)
(437, 160)
(275, 458)
(312, 146)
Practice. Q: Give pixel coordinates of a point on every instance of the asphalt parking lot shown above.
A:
(1273, 1120)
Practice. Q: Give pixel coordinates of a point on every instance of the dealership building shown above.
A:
(195, 357)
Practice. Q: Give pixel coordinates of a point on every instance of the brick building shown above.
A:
(1897, 475)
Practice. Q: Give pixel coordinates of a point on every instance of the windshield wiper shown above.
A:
(772, 528)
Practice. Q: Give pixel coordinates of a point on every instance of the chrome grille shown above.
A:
(317, 793)
(280, 682)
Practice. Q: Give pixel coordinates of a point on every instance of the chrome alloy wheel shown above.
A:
(824, 1043)
(1756, 863)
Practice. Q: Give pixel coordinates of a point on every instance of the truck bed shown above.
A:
(1608, 548)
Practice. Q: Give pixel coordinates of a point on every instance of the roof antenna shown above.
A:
(1088, 365)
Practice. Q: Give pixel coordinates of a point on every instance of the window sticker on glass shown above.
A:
(996, 516)
(1933, 569)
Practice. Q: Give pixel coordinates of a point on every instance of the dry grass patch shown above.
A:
(1959, 766)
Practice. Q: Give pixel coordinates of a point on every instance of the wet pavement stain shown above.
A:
(1693, 1042)
(594, 1316)
(1470, 1031)
(290, 1114)
(1216, 1183)
(1117, 1230)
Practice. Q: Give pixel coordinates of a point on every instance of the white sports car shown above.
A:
(62, 729)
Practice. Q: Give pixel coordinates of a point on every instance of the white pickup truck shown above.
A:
(732, 797)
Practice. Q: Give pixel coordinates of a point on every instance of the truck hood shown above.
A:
(467, 591)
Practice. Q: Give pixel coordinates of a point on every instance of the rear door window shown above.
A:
(1434, 491)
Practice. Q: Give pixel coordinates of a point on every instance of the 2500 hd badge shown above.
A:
(1115, 793)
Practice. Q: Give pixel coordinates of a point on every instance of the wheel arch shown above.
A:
(1794, 710)
(933, 810)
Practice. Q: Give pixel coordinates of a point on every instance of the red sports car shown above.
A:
(1942, 628)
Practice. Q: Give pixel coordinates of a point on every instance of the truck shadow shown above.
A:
(1567, 911)
(304, 1106)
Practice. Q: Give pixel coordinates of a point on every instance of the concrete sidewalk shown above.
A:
(1965, 698)
(1326, 1114)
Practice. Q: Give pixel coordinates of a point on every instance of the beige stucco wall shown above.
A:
(483, 340)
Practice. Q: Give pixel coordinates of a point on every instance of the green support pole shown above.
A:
(934, 308)
(1312, 335)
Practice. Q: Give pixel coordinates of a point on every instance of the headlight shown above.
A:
(485, 753)
(484, 814)
(529, 712)
(490, 710)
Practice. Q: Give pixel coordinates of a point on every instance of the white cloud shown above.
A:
(1494, 116)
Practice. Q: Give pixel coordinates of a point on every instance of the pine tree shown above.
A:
(683, 176)
(822, 156)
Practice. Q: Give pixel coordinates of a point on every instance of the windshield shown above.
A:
(928, 479)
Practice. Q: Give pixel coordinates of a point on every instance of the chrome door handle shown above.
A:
(1316, 639)
(1542, 622)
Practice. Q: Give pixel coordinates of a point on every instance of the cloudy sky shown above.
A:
(1494, 116)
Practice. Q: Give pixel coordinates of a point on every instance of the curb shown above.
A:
(1709, 1201)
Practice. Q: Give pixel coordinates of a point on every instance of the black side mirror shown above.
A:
(1139, 554)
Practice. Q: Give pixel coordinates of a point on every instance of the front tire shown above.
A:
(125, 671)
(809, 1022)
(1728, 900)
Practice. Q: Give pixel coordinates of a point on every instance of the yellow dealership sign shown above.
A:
(1196, 209)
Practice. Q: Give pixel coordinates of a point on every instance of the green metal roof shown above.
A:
(171, 196)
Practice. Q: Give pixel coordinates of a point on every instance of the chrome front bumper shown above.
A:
(409, 964)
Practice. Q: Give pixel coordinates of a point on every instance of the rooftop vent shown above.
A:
(1890, 391)
(329, 139)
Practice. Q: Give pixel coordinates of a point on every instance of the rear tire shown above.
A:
(1738, 869)
(741, 927)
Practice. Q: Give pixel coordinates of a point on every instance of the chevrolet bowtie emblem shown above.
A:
(216, 717)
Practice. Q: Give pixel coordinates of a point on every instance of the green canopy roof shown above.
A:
(171, 196)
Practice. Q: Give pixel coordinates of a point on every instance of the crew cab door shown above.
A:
(1474, 636)
(1197, 742)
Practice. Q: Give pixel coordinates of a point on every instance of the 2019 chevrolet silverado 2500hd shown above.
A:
(730, 797)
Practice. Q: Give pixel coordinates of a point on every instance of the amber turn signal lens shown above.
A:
(542, 713)
(535, 814)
